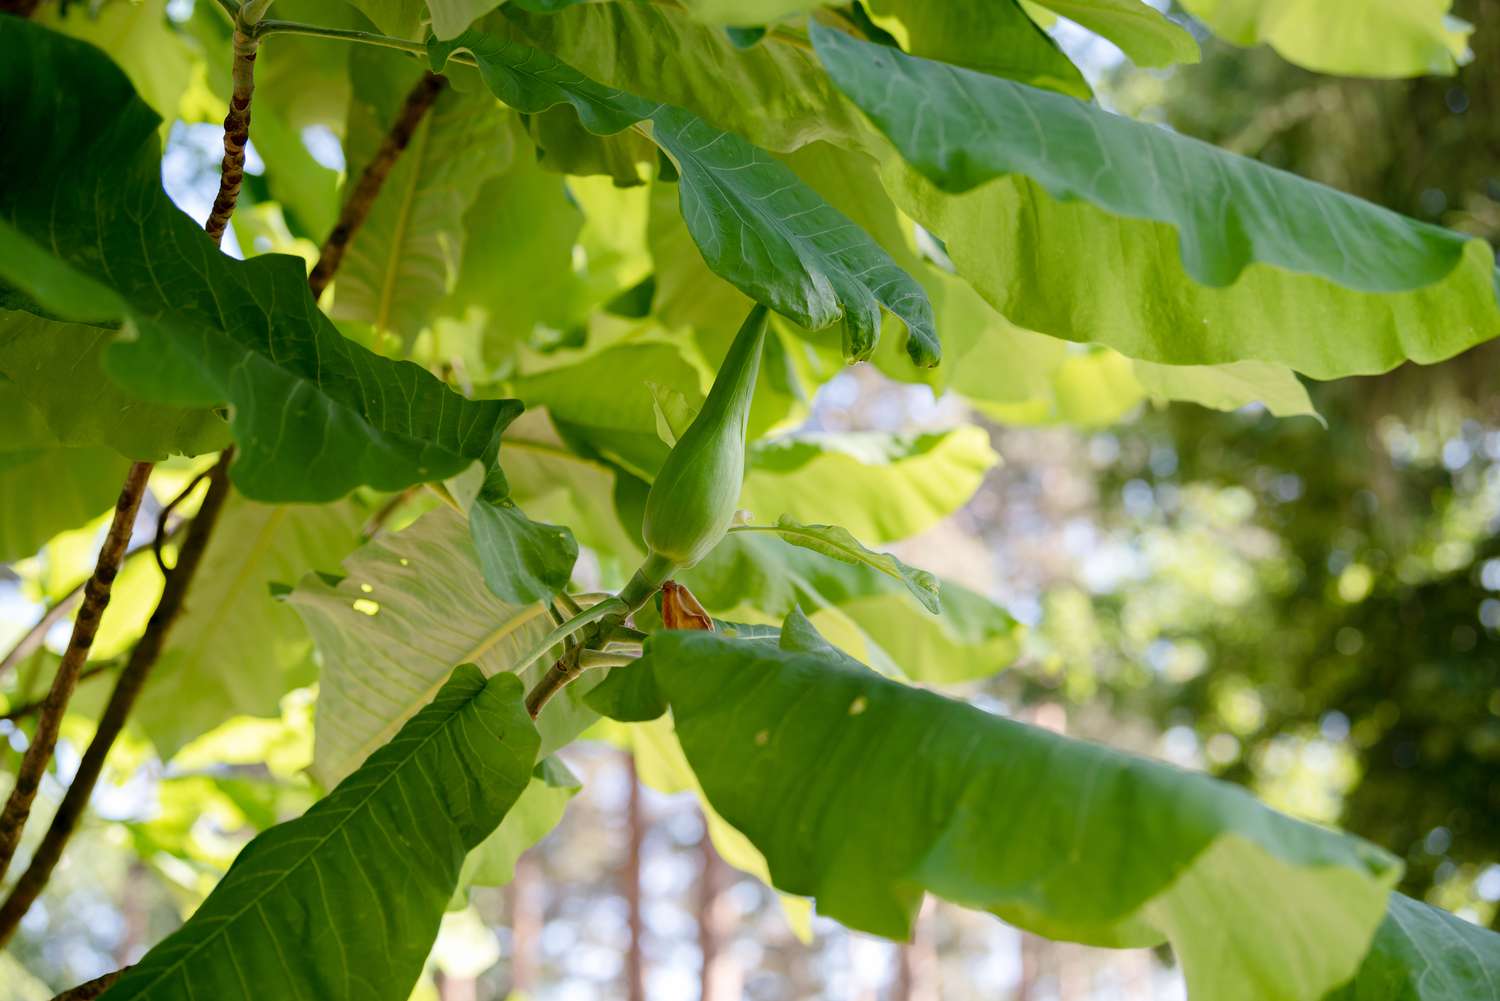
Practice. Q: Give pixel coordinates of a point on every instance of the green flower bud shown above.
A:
(692, 502)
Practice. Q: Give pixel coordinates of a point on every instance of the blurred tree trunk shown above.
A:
(635, 824)
(526, 916)
(135, 913)
(721, 978)
(1033, 951)
(917, 962)
(457, 988)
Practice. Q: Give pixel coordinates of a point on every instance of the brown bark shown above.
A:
(236, 134)
(121, 700)
(357, 206)
(720, 979)
(94, 988)
(85, 626)
(526, 918)
(917, 962)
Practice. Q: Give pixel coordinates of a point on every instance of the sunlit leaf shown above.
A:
(413, 605)
(1380, 38)
(1141, 31)
(408, 253)
(235, 650)
(881, 487)
(991, 37)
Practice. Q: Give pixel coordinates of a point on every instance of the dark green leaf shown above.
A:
(961, 129)
(345, 901)
(756, 224)
(523, 560)
(535, 814)
(628, 694)
(314, 414)
(885, 792)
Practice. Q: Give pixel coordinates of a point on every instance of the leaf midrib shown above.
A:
(403, 222)
(485, 644)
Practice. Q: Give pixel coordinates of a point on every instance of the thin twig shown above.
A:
(94, 988)
(383, 513)
(121, 700)
(85, 627)
(166, 512)
(25, 709)
(362, 198)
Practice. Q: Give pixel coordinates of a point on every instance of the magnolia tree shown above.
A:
(487, 437)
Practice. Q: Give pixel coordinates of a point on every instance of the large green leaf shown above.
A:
(58, 367)
(235, 650)
(506, 286)
(141, 41)
(881, 487)
(1422, 953)
(1140, 30)
(1381, 38)
(344, 902)
(885, 792)
(962, 129)
(868, 613)
(407, 255)
(1018, 377)
(756, 224)
(413, 604)
(204, 327)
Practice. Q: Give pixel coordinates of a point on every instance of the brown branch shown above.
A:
(85, 627)
(19, 8)
(357, 206)
(94, 988)
(121, 700)
(236, 133)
